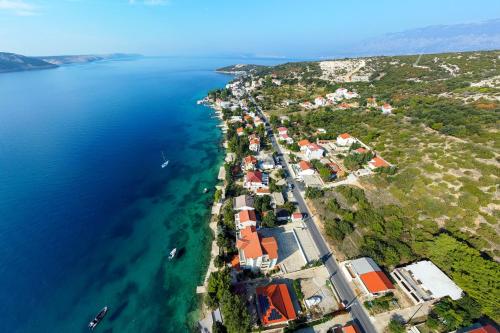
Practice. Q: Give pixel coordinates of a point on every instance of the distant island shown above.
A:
(11, 62)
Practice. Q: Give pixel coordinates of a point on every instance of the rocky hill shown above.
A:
(11, 62)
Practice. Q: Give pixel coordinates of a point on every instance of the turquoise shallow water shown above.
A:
(87, 216)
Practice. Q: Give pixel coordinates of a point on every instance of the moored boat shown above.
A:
(98, 318)
(172, 254)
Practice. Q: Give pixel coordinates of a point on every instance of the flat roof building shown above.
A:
(424, 281)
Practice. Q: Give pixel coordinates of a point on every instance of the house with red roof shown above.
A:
(369, 276)
(313, 151)
(285, 137)
(249, 162)
(303, 144)
(245, 218)
(360, 150)
(386, 108)
(240, 131)
(305, 168)
(282, 130)
(254, 144)
(274, 304)
(320, 101)
(345, 139)
(378, 162)
(254, 251)
(255, 180)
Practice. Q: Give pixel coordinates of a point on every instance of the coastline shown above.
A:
(201, 290)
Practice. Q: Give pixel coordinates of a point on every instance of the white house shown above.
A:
(313, 152)
(245, 218)
(267, 163)
(386, 108)
(286, 138)
(307, 105)
(345, 139)
(254, 145)
(282, 130)
(378, 162)
(332, 97)
(249, 163)
(340, 92)
(303, 144)
(256, 252)
(350, 94)
(255, 180)
(305, 168)
(320, 101)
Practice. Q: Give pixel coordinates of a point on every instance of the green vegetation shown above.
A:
(477, 276)
(449, 315)
(395, 326)
(381, 304)
(314, 193)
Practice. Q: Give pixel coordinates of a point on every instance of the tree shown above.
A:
(314, 193)
(228, 217)
(395, 326)
(269, 220)
(234, 311)
(262, 203)
(218, 327)
(219, 282)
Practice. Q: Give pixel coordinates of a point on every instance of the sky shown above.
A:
(265, 28)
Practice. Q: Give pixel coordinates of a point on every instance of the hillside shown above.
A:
(11, 62)
(442, 199)
(82, 59)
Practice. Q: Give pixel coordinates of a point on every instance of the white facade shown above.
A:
(345, 140)
(313, 152)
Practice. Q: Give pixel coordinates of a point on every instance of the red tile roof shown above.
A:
(275, 304)
(361, 150)
(314, 146)
(488, 328)
(350, 329)
(304, 142)
(249, 243)
(250, 159)
(263, 190)
(297, 215)
(239, 130)
(378, 162)
(376, 281)
(304, 165)
(247, 215)
(270, 247)
(282, 129)
(345, 136)
(253, 246)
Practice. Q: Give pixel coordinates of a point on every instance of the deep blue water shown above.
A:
(86, 213)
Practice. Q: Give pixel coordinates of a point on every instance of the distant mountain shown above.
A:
(434, 39)
(81, 59)
(11, 62)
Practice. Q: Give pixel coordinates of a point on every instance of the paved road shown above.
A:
(336, 276)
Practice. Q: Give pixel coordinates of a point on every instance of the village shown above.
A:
(266, 238)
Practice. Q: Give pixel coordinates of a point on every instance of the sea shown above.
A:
(87, 214)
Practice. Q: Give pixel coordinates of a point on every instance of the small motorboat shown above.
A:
(205, 190)
(98, 318)
(172, 254)
(165, 161)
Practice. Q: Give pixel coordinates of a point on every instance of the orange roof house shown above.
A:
(239, 130)
(361, 150)
(376, 282)
(345, 136)
(256, 252)
(303, 143)
(254, 177)
(247, 215)
(304, 165)
(275, 304)
(377, 162)
(249, 162)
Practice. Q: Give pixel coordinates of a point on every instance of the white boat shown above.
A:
(172, 254)
(165, 161)
(98, 318)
